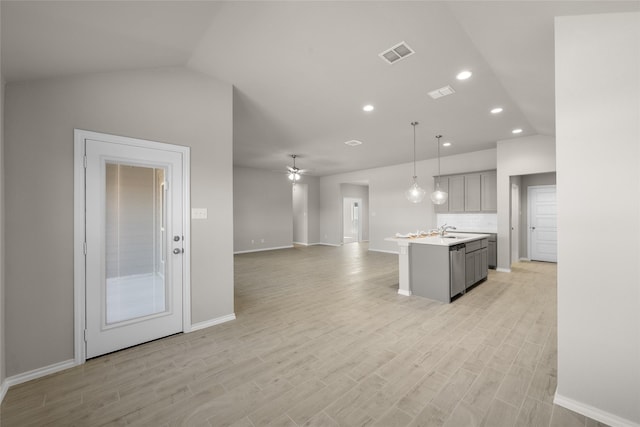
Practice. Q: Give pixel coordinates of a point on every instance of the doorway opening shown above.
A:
(351, 220)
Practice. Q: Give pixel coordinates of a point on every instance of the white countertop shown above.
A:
(437, 240)
(465, 230)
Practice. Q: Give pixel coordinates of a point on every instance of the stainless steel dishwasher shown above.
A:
(457, 268)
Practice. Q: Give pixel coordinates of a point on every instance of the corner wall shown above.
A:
(598, 146)
(168, 105)
(518, 156)
(2, 299)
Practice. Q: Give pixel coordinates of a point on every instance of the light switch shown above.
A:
(199, 213)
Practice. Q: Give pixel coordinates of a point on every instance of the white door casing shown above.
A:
(515, 223)
(95, 335)
(352, 221)
(542, 223)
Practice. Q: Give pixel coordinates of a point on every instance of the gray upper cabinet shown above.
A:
(488, 190)
(456, 193)
(471, 192)
(444, 186)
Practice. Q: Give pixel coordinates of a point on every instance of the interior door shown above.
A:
(351, 220)
(134, 248)
(543, 241)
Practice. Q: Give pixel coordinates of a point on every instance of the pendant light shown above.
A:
(439, 197)
(414, 194)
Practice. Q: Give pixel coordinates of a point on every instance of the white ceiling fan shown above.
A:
(294, 173)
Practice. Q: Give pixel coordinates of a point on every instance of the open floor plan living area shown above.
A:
(320, 213)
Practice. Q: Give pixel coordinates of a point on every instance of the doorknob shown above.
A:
(178, 251)
(533, 228)
(176, 238)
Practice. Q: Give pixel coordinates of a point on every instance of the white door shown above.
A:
(351, 220)
(134, 241)
(543, 242)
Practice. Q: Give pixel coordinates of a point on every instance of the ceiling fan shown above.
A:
(293, 172)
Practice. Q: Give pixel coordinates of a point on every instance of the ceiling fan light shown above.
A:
(294, 176)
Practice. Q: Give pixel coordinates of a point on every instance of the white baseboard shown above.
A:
(212, 322)
(329, 244)
(503, 270)
(403, 292)
(383, 251)
(591, 412)
(525, 259)
(34, 374)
(300, 243)
(263, 249)
(4, 387)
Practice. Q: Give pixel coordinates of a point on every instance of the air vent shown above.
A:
(353, 142)
(396, 53)
(443, 91)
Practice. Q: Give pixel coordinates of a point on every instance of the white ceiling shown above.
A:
(303, 70)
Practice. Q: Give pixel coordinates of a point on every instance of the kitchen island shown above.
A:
(441, 267)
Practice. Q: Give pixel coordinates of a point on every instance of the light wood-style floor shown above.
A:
(322, 338)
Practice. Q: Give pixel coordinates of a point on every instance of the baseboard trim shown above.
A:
(263, 249)
(37, 373)
(503, 270)
(404, 293)
(591, 412)
(383, 251)
(329, 244)
(525, 259)
(212, 322)
(301, 244)
(3, 390)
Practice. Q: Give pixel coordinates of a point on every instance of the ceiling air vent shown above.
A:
(443, 91)
(396, 53)
(353, 143)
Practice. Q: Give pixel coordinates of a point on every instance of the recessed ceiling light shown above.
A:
(367, 108)
(517, 130)
(496, 110)
(353, 142)
(463, 75)
(446, 144)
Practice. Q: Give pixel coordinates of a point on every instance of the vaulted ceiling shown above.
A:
(302, 71)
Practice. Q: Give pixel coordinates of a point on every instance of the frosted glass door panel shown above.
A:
(135, 242)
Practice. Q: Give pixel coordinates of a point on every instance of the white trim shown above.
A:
(79, 229)
(329, 244)
(404, 293)
(384, 251)
(263, 249)
(300, 243)
(503, 270)
(213, 322)
(589, 411)
(524, 259)
(4, 387)
(39, 373)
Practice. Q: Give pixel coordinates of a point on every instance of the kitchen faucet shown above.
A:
(443, 229)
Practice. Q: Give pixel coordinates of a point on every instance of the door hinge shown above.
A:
(85, 335)
(84, 247)
(84, 161)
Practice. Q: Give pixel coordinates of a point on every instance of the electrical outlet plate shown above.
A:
(199, 213)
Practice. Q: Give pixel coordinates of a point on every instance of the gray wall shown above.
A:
(2, 235)
(262, 210)
(597, 131)
(167, 105)
(300, 213)
(359, 191)
(313, 203)
(525, 182)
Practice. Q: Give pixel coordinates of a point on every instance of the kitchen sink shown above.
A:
(450, 237)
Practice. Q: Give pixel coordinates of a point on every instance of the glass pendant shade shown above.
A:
(439, 197)
(294, 176)
(415, 193)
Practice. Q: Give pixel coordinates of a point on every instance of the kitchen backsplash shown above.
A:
(470, 222)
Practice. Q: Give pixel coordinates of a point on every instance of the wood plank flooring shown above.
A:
(323, 339)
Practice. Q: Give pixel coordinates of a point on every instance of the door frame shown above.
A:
(79, 261)
(529, 204)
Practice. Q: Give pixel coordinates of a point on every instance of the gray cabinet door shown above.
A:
(483, 263)
(472, 193)
(444, 186)
(477, 263)
(491, 256)
(488, 192)
(470, 269)
(456, 193)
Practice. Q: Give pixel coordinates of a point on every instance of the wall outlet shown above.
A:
(253, 241)
(199, 213)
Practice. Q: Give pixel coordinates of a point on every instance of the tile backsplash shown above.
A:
(470, 221)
